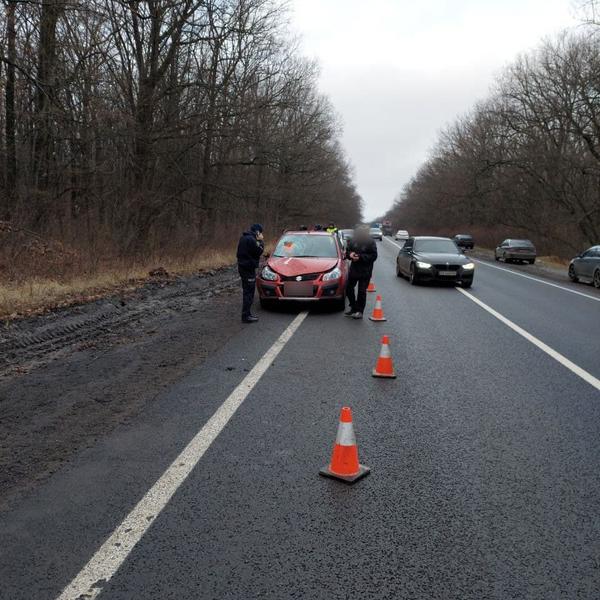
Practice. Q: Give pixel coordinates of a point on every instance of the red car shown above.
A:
(305, 265)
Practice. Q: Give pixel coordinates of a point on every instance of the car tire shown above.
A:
(414, 280)
(596, 279)
(572, 274)
(338, 305)
(466, 284)
(266, 304)
(399, 272)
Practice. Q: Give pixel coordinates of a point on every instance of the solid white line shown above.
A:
(113, 552)
(593, 381)
(560, 287)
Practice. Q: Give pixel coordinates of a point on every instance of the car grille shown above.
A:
(454, 268)
(305, 277)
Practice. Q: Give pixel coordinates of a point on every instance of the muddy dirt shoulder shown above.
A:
(72, 376)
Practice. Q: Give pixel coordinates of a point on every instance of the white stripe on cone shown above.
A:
(345, 435)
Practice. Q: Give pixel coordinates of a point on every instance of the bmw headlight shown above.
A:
(469, 266)
(423, 265)
(331, 275)
(268, 274)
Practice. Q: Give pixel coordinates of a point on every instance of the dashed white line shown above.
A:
(560, 287)
(110, 556)
(563, 360)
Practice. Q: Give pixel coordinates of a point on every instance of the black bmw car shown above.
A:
(434, 259)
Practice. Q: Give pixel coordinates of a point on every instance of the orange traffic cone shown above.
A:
(344, 463)
(371, 287)
(384, 366)
(377, 311)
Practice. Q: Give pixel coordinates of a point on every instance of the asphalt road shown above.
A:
(484, 456)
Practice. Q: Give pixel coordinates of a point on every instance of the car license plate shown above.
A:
(447, 273)
(298, 289)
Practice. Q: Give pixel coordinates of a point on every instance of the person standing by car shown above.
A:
(362, 253)
(250, 248)
(331, 228)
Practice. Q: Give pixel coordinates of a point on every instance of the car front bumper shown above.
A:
(309, 291)
(458, 275)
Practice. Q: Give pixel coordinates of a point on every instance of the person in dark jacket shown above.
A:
(250, 248)
(362, 252)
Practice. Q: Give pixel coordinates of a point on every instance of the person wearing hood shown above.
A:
(250, 248)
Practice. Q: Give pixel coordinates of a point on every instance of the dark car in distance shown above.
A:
(424, 258)
(585, 267)
(516, 251)
(464, 240)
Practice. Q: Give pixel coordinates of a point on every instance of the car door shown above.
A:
(585, 263)
(405, 256)
(595, 261)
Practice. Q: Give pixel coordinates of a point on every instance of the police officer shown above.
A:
(362, 252)
(331, 228)
(250, 248)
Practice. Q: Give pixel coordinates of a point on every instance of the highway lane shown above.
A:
(568, 322)
(484, 480)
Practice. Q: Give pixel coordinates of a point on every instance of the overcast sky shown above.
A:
(397, 71)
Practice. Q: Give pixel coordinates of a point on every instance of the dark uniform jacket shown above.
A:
(249, 251)
(367, 251)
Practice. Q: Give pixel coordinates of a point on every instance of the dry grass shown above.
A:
(39, 294)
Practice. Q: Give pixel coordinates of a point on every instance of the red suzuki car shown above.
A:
(305, 265)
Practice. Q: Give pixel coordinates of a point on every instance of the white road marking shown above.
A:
(563, 360)
(560, 287)
(113, 552)
(391, 242)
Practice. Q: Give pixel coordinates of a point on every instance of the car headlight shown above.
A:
(268, 274)
(334, 274)
(469, 266)
(423, 265)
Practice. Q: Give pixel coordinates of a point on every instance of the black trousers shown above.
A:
(358, 302)
(248, 277)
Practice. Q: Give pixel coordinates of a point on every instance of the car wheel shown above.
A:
(572, 274)
(466, 284)
(414, 280)
(596, 280)
(398, 271)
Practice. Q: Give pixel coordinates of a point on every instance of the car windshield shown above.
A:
(521, 243)
(297, 245)
(436, 246)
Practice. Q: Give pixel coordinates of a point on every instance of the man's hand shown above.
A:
(354, 257)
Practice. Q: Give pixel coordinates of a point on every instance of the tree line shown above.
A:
(147, 123)
(523, 162)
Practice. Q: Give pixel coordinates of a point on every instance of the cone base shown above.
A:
(384, 375)
(375, 319)
(362, 472)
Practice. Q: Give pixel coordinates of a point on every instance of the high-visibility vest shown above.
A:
(331, 230)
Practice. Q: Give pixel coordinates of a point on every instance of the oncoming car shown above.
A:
(434, 259)
(307, 266)
(464, 240)
(585, 267)
(401, 234)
